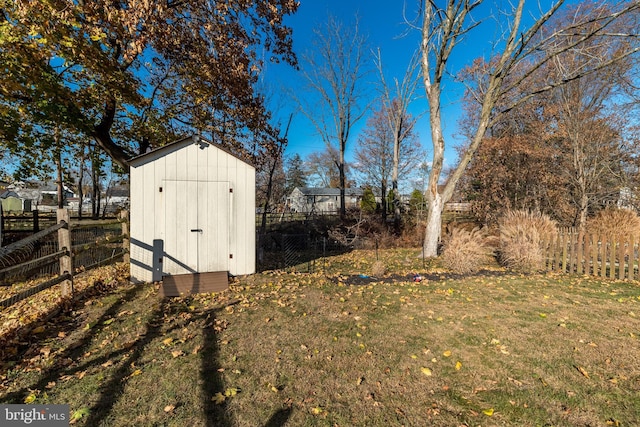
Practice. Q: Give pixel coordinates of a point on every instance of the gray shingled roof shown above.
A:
(312, 191)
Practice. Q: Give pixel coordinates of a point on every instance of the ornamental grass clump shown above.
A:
(524, 237)
(466, 251)
(615, 224)
(379, 269)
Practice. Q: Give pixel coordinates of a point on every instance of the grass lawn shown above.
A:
(333, 348)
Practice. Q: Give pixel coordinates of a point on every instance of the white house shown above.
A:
(322, 200)
(192, 216)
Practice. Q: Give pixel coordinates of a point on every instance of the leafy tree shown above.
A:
(368, 202)
(133, 74)
(506, 83)
(416, 201)
(557, 152)
(295, 174)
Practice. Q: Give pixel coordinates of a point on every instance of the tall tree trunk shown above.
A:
(434, 226)
(95, 184)
(383, 193)
(394, 173)
(265, 208)
(81, 182)
(59, 177)
(343, 208)
(102, 135)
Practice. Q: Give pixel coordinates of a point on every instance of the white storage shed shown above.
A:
(192, 216)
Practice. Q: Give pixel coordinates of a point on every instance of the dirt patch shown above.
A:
(363, 279)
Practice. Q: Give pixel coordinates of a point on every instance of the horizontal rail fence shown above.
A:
(78, 246)
(597, 255)
(19, 226)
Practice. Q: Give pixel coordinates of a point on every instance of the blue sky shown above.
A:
(383, 23)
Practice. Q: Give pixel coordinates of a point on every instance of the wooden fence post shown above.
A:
(572, 249)
(603, 258)
(632, 257)
(64, 241)
(36, 223)
(622, 255)
(612, 261)
(565, 254)
(124, 218)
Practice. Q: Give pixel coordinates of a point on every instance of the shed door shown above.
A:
(197, 221)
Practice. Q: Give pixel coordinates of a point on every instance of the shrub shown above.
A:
(378, 269)
(465, 251)
(523, 235)
(614, 223)
(368, 202)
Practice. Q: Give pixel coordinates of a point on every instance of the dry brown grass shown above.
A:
(466, 251)
(522, 236)
(379, 269)
(617, 224)
(295, 349)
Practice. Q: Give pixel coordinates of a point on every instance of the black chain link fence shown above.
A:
(295, 252)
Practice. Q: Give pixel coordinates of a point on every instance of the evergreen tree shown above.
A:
(296, 176)
(368, 202)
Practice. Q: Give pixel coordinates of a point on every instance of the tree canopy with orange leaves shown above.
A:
(132, 74)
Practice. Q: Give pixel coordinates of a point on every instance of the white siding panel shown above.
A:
(141, 256)
(195, 179)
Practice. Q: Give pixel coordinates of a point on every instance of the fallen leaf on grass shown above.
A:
(231, 391)
(426, 371)
(447, 353)
(316, 411)
(458, 365)
(77, 415)
(582, 371)
(169, 408)
(488, 412)
(30, 399)
(177, 353)
(38, 330)
(218, 398)
(89, 326)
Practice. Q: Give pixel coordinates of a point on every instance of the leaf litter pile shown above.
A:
(316, 349)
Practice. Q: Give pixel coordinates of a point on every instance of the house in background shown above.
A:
(12, 202)
(49, 197)
(322, 200)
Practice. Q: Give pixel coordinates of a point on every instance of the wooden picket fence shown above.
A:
(578, 252)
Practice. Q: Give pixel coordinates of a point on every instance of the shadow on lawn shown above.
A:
(73, 351)
(70, 361)
(216, 414)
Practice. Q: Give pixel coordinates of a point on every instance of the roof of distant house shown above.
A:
(8, 194)
(315, 191)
